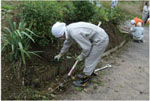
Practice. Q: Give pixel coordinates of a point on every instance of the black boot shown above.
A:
(137, 41)
(82, 76)
(141, 41)
(82, 82)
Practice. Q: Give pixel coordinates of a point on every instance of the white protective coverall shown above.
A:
(92, 39)
(114, 3)
(145, 14)
(137, 32)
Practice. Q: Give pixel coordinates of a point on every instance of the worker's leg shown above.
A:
(91, 61)
(94, 57)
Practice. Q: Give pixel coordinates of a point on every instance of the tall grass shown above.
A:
(16, 41)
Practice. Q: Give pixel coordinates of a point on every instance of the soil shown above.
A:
(128, 79)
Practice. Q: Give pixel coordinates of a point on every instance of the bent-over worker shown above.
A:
(92, 39)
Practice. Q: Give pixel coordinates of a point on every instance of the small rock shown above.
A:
(61, 85)
(72, 78)
(85, 90)
(50, 89)
(95, 87)
(115, 91)
(123, 60)
(141, 92)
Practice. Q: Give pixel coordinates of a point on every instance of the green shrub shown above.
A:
(43, 15)
(84, 10)
(116, 16)
(68, 11)
(108, 15)
(101, 14)
(16, 41)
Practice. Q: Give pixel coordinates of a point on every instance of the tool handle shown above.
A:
(99, 23)
(73, 67)
(107, 66)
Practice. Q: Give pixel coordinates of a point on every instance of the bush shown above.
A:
(100, 15)
(68, 11)
(116, 16)
(16, 41)
(108, 15)
(84, 10)
(43, 15)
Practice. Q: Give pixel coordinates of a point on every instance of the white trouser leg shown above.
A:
(94, 57)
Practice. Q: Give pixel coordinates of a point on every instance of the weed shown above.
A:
(16, 41)
(79, 88)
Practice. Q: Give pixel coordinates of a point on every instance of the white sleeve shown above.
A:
(67, 43)
(132, 29)
(84, 43)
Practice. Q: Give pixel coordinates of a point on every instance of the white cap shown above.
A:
(139, 24)
(58, 29)
(133, 22)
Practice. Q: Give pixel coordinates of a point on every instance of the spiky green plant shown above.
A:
(16, 41)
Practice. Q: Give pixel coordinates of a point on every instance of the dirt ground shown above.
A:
(128, 79)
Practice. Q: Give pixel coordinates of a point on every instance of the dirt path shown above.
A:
(127, 80)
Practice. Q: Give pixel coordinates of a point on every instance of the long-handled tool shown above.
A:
(102, 68)
(72, 69)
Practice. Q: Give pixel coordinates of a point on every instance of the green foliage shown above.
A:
(16, 41)
(68, 10)
(108, 15)
(79, 88)
(43, 15)
(100, 15)
(116, 16)
(84, 10)
(7, 7)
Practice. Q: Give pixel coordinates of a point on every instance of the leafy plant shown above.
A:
(115, 16)
(79, 88)
(43, 14)
(84, 10)
(16, 41)
(100, 15)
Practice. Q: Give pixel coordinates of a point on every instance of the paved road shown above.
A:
(127, 80)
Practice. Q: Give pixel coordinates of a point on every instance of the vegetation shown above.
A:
(44, 14)
(34, 29)
(16, 41)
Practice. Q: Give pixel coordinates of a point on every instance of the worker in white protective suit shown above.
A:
(137, 32)
(114, 3)
(92, 39)
(146, 11)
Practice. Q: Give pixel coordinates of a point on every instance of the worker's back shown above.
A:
(88, 30)
(138, 20)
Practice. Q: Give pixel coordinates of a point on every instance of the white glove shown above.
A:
(79, 58)
(58, 56)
